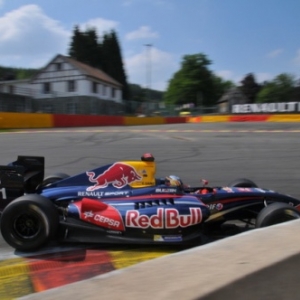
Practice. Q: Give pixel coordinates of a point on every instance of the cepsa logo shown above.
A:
(102, 220)
(165, 218)
(119, 175)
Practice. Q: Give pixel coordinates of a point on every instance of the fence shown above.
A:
(160, 109)
(86, 105)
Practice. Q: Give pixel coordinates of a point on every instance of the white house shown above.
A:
(66, 85)
(17, 87)
(63, 76)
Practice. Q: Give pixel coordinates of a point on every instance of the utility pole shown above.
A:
(148, 74)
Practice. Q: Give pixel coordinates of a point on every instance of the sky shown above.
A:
(238, 36)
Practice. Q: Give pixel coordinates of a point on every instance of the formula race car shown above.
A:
(124, 202)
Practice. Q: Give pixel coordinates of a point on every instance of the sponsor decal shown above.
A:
(260, 190)
(215, 206)
(219, 206)
(244, 189)
(90, 194)
(114, 232)
(101, 219)
(3, 193)
(228, 189)
(165, 190)
(108, 218)
(266, 107)
(88, 214)
(119, 175)
(147, 183)
(168, 218)
(117, 193)
(101, 194)
(167, 238)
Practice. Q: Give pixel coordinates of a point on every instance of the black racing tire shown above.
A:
(52, 179)
(275, 213)
(29, 222)
(243, 182)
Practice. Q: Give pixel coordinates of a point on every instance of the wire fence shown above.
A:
(161, 109)
(86, 105)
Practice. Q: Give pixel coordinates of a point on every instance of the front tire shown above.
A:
(29, 222)
(276, 213)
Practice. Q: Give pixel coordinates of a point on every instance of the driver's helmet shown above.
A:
(173, 180)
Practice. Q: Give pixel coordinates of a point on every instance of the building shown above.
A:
(231, 97)
(65, 86)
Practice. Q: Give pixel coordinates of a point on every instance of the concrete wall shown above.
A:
(260, 264)
(41, 120)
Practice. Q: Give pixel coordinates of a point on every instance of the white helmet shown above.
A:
(173, 180)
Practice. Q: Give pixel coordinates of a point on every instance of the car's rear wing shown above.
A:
(11, 184)
(21, 176)
(33, 171)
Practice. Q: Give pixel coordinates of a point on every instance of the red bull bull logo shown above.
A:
(118, 175)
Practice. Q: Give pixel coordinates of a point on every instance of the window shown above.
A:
(113, 92)
(71, 86)
(94, 87)
(104, 90)
(46, 88)
(58, 66)
(11, 89)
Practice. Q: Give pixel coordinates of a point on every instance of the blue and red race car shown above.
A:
(125, 203)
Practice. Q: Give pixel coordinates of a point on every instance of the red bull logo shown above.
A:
(169, 218)
(119, 175)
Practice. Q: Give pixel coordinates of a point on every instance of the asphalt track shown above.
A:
(267, 153)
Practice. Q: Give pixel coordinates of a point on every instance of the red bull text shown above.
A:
(165, 218)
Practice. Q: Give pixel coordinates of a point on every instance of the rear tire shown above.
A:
(276, 213)
(29, 222)
(243, 182)
(52, 179)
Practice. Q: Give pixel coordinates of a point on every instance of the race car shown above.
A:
(124, 203)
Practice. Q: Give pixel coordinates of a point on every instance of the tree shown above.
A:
(250, 88)
(295, 97)
(77, 48)
(280, 89)
(112, 61)
(138, 93)
(195, 83)
(92, 48)
(86, 47)
(8, 73)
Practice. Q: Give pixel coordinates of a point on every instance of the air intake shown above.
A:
(157, 202)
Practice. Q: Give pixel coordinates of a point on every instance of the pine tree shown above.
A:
(115, 63)
(91, 48)
(77, 46)
(85, 47)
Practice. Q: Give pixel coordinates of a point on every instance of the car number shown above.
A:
(3, 193)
